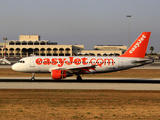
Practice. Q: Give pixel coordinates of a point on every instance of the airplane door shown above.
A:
(32, 62)
(120, 63)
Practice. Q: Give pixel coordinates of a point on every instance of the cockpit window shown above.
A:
(21, 61)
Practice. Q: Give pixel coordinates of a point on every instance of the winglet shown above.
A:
(138, 48)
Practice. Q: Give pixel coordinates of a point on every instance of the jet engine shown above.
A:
(58, 74)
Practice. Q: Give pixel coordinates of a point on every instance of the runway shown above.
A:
(86, 83)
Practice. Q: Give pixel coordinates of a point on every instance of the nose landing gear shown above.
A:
(33, 75)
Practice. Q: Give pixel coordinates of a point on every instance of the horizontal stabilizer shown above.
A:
(142, 61)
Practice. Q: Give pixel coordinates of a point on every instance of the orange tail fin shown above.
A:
(138, 48)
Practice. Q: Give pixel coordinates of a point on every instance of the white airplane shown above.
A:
(62, 67)
(4, 61)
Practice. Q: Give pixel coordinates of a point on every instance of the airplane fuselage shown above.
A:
(102, 64)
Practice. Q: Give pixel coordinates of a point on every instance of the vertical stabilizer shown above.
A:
(138, 48)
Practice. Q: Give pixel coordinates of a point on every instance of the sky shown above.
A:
(82, 22)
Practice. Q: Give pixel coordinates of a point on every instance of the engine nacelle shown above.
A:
(58, 74)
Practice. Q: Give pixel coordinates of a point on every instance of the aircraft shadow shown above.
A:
(84, 81)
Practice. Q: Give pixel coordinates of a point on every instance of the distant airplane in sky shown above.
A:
(62, 67)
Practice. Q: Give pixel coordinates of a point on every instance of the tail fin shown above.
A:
(138, 48)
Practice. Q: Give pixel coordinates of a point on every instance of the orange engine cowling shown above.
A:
(58, 74)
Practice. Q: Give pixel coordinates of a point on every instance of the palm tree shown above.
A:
(151, 49)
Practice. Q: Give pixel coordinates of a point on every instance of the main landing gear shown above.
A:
(32, 78)
(79, 78)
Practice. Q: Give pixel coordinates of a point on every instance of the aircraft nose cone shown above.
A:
(14, 67)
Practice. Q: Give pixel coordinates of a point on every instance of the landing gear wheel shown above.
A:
(32, 78)
(79, 78)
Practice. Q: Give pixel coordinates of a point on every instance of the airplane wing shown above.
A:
(75, 69)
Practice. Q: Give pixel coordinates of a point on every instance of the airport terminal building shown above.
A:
(28, 45)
